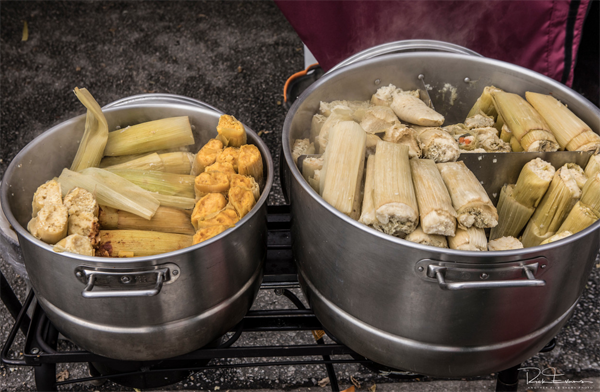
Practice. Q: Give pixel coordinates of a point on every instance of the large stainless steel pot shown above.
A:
(174, 303)
(438, 312)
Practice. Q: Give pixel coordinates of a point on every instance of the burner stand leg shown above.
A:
(508, 380)
(45, 374)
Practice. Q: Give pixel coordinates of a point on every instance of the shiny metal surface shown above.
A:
(216, 280)
(365, 286)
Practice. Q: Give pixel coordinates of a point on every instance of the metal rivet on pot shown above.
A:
(175, 272)
(377, 81)
(125, 279)
(543, 265)
(467, 80)
(35, 351)
(484, 276)
(420, 269)
(421, 76)
(79, 274)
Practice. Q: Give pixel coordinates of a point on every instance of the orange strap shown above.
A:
(294, 76)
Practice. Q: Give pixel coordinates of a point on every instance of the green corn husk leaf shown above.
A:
(111, 190)
(169, 184)
(112, 161)
(147, 162)
(182, 203)
(150, 136)
(95, 136)
(177, 162)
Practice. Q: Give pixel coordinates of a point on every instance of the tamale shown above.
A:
(315, 125)
(302, 147)
(140, 242)
(469, 199)
(578, 174)
(527, 126)
(206, 156)
(250, 162)
(246, 182)
(505, 134)
(479, 120)
(384, 95)
(117, 160)
(438, 145)
(367, 215)
(79, 200)
(378, 119)
(164, 183)
(504, 243)
(359, 109)
(485, 103)
(225, 217)
(343, 166)
(590, 194)
(512, 215)
(570, 132)
(499, 124)
(556, 237)
(487, 138)
(229, 155)
(515, 146)
(207, 206)
(177, 162)
(338, 114)
(147, 162)
(533, 182)
(166, 220)
(232, 130)
(578, 219)
(593, 166)
(208, 232)
(401, 134)
(411, 109)
(310, 164)
(435, 205)
(242, 199)
(182, 203)
(327, 108)
(84, 223)
(211, 182)
(75, 243)
(466, 139)
(554, 207)
(396, 207)
(150, 136)
(222, 167)
(420, 237)
(50, 224)
(95, 136)
(48, 193)
(371, 143)
(315, 181)
(472, 238)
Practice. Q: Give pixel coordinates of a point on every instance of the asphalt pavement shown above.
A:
(235, 56)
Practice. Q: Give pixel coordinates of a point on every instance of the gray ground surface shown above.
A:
(235, 56)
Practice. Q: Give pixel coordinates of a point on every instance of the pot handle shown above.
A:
(439, 272)
(125, 278)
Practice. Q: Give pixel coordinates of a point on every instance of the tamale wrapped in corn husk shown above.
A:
(499, 124)
(75, 243)
(593, 166)
(79, 200)
(250, 162)
(578, 174)
(590, 194)
(302, 147)
(568, 129)
(315, 125)
(578, 219)
(533, 182)
(111, 190)
(504, 243)
(556, 237)
(50, 224)
(48, 193)
(147, 162)
(211, 182)
(150, 136)
(338, 114)
(401, 134)
(229, 155)
(315, 181)
(515, 145)
(164, 183)
(206, 156)
(225, 217)
(479, 120)
(512, 215)
(140, 242)
(412, 110)
(327, 108)
(396, 207)
(367, 215)
(485, 103)
(435, 205)
(469, 199)
(223, 167)
(95, 136)
(359, 109)
(384, 96)
(466, 139)
(372, 140)
(207, 206)
(166, 220)
(420, 237)
(505, 134)
(246, 182)
(310, 164)
(341, 176)
(487, 138)
(472, 238)
(84, 223)
(181, 203)
(208, 232)
(117, 160)
(242, 199)
(554, 207)
(527, 126)
(232, 130)
(177, 162)
(438, 145)
(378, 119)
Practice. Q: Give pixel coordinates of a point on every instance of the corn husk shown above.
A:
(435, 205)
(593, 166)
(206, 156)
(140, 243)
(166, 220)
(527, 126)
(401, 134)
(420, 237)
(338, 114)
(177, 162)
(556, 204)
(341, 176)
(471, 202)
(472, 239)
(479, 120)
(117, 160)
(302, 147)
(310, 165)
(48, 193)
(396, 207)
(384, 96)
(150, 136)
(590, 194)
(170, 184)
(499, 124)
(505, 134)
(250, 162)
(75, 243)
(438, 145)
(412, 110)
(50, 224)
(515, 146)
(533, 182)
(578, 174)
(504, 243)
(367, 215)
(111, 190)
(181, 203)
(207, 207)
(242, 199)
(579, 218)
(316, 125)
(512, 215)
(94, 140)
(315, 181)
(208, 232)
(556, 237)
(147, 162)
(570, 132)
(378, 119)
(232, 130)
(485, 103)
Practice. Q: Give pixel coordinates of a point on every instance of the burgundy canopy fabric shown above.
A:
(540, 35)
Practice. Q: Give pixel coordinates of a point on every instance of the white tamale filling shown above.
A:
(439, 223)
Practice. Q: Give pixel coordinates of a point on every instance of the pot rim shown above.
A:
(4, 189)
(509, 255)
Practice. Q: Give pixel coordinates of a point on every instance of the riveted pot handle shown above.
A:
(125, 278)
(440, 271)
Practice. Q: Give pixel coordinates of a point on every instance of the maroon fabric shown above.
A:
(527, 33)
